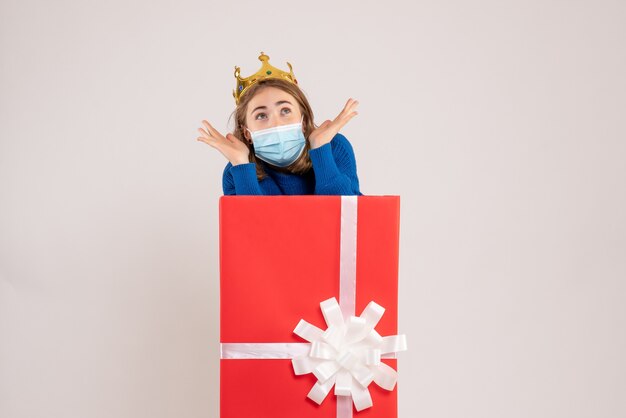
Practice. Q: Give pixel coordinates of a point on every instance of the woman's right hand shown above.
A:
(233, 149)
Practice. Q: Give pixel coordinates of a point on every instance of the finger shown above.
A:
(210, 142)
(210, 128)
(351, 105)
(341, 121)
(345, 107)
(231, 137)
(204, 133)
(349, 113)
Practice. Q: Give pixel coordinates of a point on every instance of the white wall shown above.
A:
(500, 124)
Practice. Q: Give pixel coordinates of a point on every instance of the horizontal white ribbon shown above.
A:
(263, 350)
(269, 351)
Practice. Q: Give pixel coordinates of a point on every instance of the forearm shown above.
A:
(329, 179)
(245, 180)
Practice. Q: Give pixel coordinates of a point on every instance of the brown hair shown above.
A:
(303, 163)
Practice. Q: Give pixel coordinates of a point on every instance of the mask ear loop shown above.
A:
(249, 140)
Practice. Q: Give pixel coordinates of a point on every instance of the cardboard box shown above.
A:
(279, 258)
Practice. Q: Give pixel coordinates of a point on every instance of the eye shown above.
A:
(287, 109)
(258, 114)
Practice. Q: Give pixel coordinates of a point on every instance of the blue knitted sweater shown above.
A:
(333, 173)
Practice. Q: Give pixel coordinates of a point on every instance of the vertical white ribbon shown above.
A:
(347, 278)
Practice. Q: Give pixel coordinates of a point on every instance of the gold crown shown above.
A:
(266, 71)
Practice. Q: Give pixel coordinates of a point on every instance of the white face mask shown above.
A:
(281, 145)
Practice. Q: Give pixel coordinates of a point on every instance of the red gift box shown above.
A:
(279, 258)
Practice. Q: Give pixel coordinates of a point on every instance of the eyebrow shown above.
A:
(265, 107)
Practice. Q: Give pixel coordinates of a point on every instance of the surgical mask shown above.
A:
(280, 145)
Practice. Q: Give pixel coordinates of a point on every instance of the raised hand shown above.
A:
(328, 129)
(233, 149)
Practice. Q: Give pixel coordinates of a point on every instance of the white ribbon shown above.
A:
(347, 354)
(263, 350)
(347, 255)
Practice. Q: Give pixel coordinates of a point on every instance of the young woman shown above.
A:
(276, 149)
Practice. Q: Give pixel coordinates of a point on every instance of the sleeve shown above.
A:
(334, 166)
(241, 180)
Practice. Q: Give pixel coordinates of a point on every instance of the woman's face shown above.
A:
(269, 108)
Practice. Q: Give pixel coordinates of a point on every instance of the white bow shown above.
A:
(347, 355)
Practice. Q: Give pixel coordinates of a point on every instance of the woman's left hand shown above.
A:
(327, 130)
